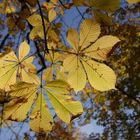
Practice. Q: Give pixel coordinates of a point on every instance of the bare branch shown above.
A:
(44, 28)
(4, 40)
(128, 95)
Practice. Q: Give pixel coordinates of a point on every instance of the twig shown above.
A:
(41, 58)
(62, 4)
(80, 12)
(44, 28)
(38, 53)
(4, 40)
(128, 95)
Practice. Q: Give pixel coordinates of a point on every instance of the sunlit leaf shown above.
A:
(24, 97)
(26, 94)
(52, 15)
(133, 1)
(73, 38)
(63, 104)
(101, 47)
(89, 32)
(76, 76)
(37, 31)
(78, 63)
(40, 118)
(54, 68)
(100, 76)
(13, 68)
(7, 8)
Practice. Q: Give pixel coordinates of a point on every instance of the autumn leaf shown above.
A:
(7, 8)
(52, 15)
(106, 5)
(13, 68)
(40, 117)
(62, 103)
(133, 1)
(79, 64)
(25, 94)
(54, 59)
(101, 17)
(53, 8)
(37, 31)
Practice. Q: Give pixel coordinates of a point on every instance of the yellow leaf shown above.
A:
(48, 6)
(78, 64)
(58, 86)
(76, 76)
(89, 32)
(24, 50)
(133, 1)
(48, 74)
(7, 8)
(24, 96)
(36, 21)
(54, 36)
(40, 118)
(54, 68)
(100, 76)
(52, 15)
(73, 38)
(101, 47)
(37, 32)
(63, 104)
(13, 69)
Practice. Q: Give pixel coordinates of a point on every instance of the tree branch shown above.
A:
(128, 95)
(44, 28)
(4, 40)
(41, 58)
(62, 4)
(80, 12)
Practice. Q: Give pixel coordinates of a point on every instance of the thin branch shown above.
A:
(12, 131)
(38, 53)
(41, 58)
(62, 4)
(44, 28)
(4, 40)
(128, 95)
(80, 12)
